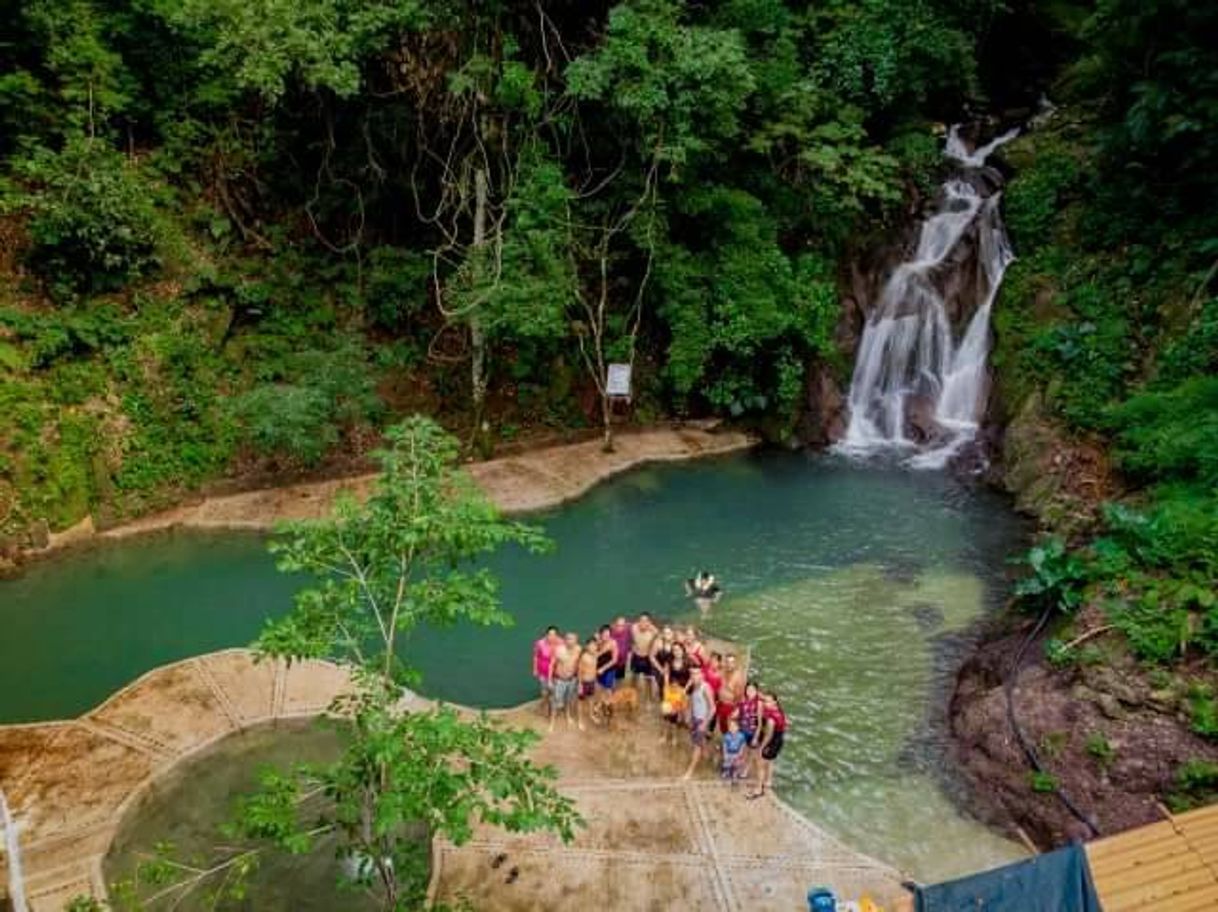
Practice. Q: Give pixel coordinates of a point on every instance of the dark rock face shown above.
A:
(823, 421)
(920, 424)
(1066, 714)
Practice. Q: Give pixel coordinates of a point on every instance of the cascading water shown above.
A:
(908, 359)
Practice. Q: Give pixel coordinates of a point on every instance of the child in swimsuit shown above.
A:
(587, 679)
(748, 712)
(734, 741)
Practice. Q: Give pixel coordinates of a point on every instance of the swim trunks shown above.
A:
(641, 665)
(564, 690)
(587, 690)
(607, 678)
(774, 748)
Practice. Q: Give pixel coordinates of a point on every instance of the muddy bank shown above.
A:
(1110, 733)
(531, 480)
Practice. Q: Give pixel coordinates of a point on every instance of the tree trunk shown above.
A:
(477, 337)
(607, 420)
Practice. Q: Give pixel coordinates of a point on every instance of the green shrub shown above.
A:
(1196, 784)
(1042, 782)
(1203, 711)
(1172, 433)
(302, 415)
(396, 287)
(289, 420)
(1057, 577)
(1157, 566)
(1193, 351)
(93, 220)
(1099, 748)
(1052, 744)
(1032, 201)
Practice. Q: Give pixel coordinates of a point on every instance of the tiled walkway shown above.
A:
(651, 840)
(68, 783)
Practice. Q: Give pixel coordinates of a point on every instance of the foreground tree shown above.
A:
(382, 568)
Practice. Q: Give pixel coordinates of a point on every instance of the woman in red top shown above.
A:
(694, 648)
(773, 733)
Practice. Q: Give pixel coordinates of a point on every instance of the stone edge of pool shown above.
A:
(524, 483)
(71, 782)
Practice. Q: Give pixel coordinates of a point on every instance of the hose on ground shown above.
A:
(1029, 751)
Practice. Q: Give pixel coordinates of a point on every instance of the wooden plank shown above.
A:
(1141, 873)
(1204, 900)
(1197, 824)
(1140, 898)
(1125, 841)
(1207, 847)
(1205, 813)
(1158, 849)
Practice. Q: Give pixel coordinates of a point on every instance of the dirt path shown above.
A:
(533, 480)
(652, 840)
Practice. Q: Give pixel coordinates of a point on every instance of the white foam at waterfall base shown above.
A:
(908, 350)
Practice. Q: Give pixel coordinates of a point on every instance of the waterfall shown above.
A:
(910, 372)
(12, 849)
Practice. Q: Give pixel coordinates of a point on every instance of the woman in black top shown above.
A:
(661, 655)
(676, 690)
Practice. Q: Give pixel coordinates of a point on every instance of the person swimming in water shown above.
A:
(704, 589)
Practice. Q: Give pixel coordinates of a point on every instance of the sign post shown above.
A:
(617, 382)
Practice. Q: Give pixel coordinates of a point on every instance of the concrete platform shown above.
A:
(652, 841)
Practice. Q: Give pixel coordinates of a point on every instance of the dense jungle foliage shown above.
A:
(241, 237)
(1109, 322)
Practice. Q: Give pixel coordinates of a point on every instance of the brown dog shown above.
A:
(622, 702)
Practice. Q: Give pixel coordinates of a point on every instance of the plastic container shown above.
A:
(821, 899)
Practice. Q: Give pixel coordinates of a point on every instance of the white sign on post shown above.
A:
(617, 383)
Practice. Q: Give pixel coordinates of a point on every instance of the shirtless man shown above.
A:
(563, 682)
(587, 679)
(731, 691)
(642, 634)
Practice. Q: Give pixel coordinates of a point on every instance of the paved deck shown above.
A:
(652, 841)
(69, 783)
(533, 480)
(1164, 867)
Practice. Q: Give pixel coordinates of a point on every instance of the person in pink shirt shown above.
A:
(543, 655)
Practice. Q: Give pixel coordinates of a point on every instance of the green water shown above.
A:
(187, 808)
(845, 581)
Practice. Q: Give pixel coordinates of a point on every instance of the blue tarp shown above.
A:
(1055, 882)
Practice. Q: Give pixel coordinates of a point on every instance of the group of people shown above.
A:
(698, 691)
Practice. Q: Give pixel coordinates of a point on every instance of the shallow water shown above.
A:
(187, 808)
(844, 581)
